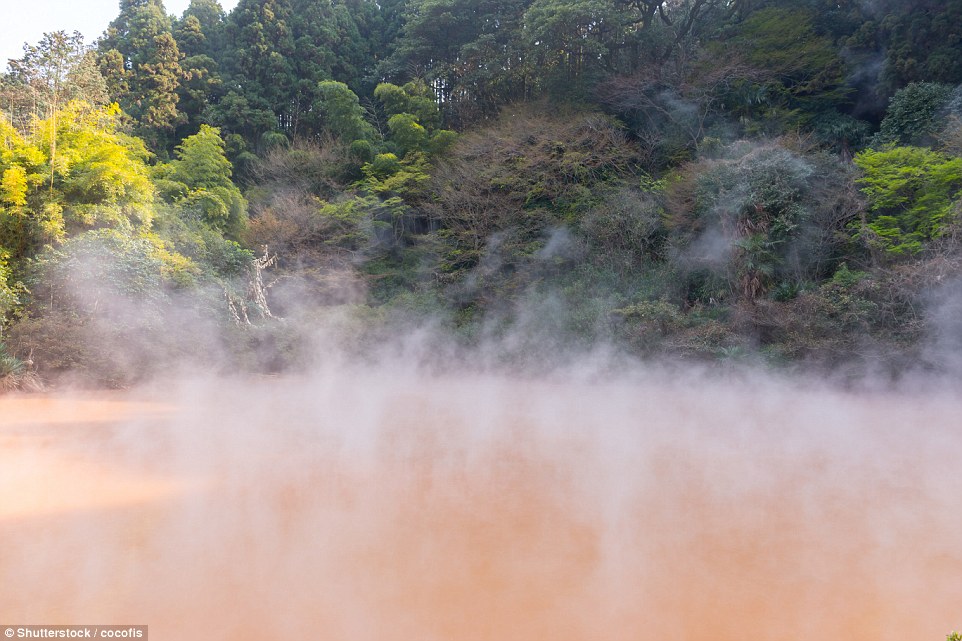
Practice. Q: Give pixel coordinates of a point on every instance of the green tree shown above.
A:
(56, 70)
(199, 180)
(343, 114)
(470, 51)
(911, 193)
(211, 24)
(415, 98)
(803, 73)
(571, 43)
(913, 115)
(141, 62)
(414, 119)
(100, 179)
(202, 84)
(922, 40)
(50, 74)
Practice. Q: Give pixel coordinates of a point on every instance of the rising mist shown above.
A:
(359, 503)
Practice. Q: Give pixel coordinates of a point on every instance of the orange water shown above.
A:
(391, 507)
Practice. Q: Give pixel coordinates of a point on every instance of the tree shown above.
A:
(210, 23)
(56, 70)
(343, 113)
(922, 40)
(805, 74)
(199, 180)
(100, 179)
(470, 52)
(913, 115)
(569, 42)
(755, 219)
(202, 84)
(672, 106)
(912, 193)
(141, 61)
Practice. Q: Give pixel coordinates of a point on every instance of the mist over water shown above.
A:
(389, 504)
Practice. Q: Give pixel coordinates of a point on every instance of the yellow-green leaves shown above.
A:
(99, 177)
(910, 192)
(199, 180)
(13, 189)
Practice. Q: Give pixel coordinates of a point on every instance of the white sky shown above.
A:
(27, 20)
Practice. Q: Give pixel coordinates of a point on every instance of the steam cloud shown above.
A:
(387, 503)
(430, 491)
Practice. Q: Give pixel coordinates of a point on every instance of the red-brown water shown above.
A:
(394, 507)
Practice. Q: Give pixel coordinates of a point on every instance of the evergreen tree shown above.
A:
(199, 181)
(141, 61)
(470, 51)
(200, 37)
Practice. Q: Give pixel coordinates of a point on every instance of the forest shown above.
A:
(517, 181)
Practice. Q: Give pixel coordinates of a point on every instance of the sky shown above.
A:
(28, 20)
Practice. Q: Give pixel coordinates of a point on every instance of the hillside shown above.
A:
(512, 183)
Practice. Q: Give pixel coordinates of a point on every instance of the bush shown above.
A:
(15, 375)
(529, 170)
(914, 114)
(625, 229)
(98, 306)
(757, 219)
(911, 191)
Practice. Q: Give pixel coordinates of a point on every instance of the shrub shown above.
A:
(15, 375)
(913, 115)
(756, 219)
(910, 192)
(625, 229)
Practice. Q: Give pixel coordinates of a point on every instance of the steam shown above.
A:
(387, 503)
(398, 483)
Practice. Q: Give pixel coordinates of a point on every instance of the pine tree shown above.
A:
(141, 61)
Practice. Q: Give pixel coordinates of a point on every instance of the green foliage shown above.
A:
(801, 73)
(468, 50)
(527, 171)
(362, 151)
(911, 191)
(55, 71)
(279, 52)
(383, 166)
(625, 229)
(441, 142)
(80, 172)
(199, 180)
(99, 264)
(413, 119)
(100, 169)
(347, 223)
(10, 292)
(407, 133)
(414, 98)
(570, 41)
(913, 115)
(758, 218)
(14, 186)
(343, 114)
(193, 251)
(920, 39)
(670, 237)
(9, 366)
(846, 278)
(389, 177)
(839, 131)
(140, 60)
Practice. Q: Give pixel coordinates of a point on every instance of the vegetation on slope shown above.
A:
(709, 179)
